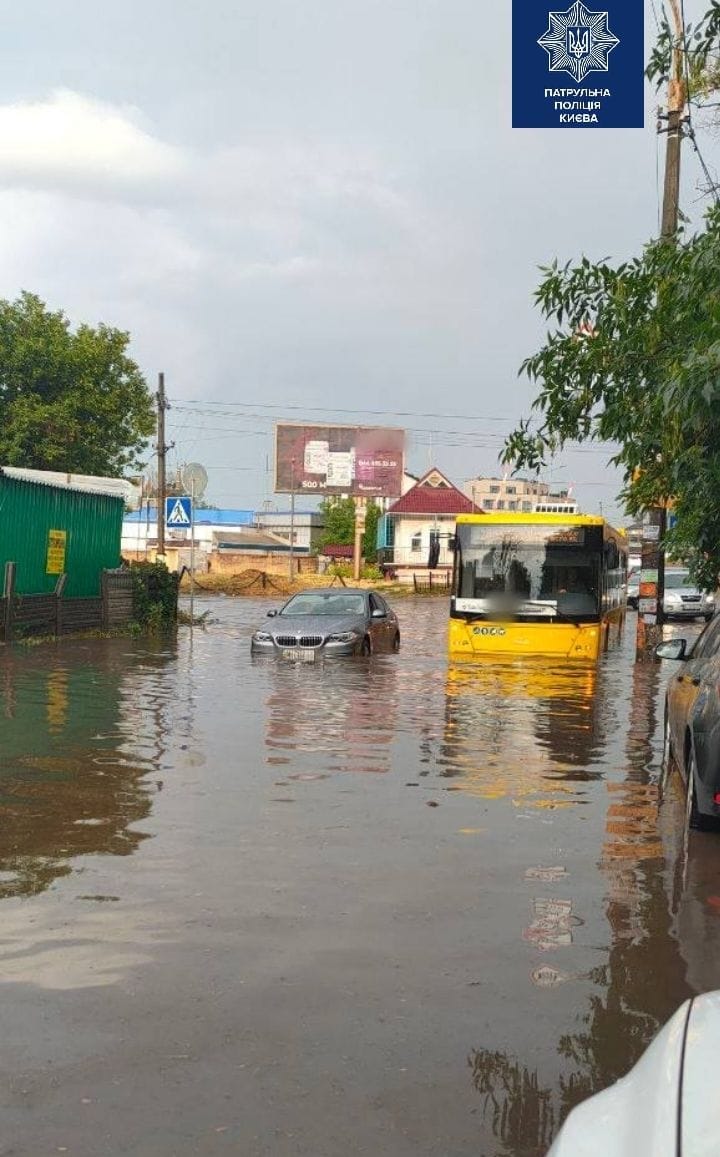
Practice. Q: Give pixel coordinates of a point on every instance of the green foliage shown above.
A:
(339, 518)
(344, 570)
(648, 380)
(70, 401)
(155, 596)
(369, 543)
(700, 48)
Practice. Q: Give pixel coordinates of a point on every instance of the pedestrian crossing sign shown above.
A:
(178, 513)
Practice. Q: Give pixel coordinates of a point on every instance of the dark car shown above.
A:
(692, 719)
(329, 622)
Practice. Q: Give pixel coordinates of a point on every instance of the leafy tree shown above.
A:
(69, 400)
(369, 544)
(645, 376)
(339, 514)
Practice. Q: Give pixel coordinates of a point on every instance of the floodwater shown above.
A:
(381, 906)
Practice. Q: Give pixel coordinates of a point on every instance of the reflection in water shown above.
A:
(336, 716)
(642, 979)
(76, 745)
(522, 730)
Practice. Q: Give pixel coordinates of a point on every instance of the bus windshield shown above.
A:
(527, 570)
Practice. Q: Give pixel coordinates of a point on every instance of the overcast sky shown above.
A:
(314, 204)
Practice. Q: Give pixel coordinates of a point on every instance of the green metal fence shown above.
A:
(46, 529)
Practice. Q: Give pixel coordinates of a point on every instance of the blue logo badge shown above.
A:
(578, 67)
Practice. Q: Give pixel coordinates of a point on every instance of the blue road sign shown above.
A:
(178, 513)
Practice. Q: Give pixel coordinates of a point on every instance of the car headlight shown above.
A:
(344, 637)
(262, 637)
(672, 597)
(710, 599)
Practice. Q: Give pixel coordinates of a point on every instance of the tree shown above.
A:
(339, 514)
(369, 544)
(634, 358)
(69, 400)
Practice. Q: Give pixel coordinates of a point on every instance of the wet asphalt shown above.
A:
(385, 906)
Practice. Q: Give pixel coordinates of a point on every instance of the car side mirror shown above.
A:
(378, 614)
(672, 649)
(452, 544)
(271, 614)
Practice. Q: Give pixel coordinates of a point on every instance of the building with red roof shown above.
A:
(415, 533)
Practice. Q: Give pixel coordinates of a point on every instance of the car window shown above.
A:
(708, 643)
(376, 604)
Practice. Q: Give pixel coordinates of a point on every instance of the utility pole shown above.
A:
(676, 100)
(162, 449)
(292, 519)
(652, 574)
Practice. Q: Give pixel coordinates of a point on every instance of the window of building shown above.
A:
(416, 543)
(512, 505)
(500, 504)
(494, 489)
(511, 489)
(489, 503)
(527, 506)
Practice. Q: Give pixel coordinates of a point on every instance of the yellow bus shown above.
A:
(536, 584)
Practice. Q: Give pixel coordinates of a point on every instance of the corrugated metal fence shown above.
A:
(84, 528)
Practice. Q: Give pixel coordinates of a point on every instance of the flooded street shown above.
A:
(379, 906)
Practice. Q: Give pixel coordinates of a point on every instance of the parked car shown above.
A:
(692, 718)
(683, 599)
(633, 588)
(329, 622)
(665, 1106)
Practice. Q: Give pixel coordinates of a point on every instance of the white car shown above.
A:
(667, 1106)
(684, 599)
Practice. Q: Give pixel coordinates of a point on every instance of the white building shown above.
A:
(421, 522)
(519, 495)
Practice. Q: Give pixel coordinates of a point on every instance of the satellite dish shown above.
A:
(194, 478)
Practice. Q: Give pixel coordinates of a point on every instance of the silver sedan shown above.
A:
(329, 622)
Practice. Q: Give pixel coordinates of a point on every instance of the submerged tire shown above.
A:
(396, 643)
(366, 648)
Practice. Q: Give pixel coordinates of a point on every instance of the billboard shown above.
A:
(364, 461)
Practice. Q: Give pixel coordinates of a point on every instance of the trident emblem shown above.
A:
(578, 42)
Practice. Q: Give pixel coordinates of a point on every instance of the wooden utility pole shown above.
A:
(652, 574)
(677, 98)
(162, 449)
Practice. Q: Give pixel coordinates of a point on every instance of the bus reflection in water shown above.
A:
(529, 731)
(536, 584)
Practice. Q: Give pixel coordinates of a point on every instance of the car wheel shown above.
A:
(366, 648)
(396, 642)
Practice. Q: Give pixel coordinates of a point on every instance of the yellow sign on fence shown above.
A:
(57, 541)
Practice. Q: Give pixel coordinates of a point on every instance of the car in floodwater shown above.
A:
(692, 720)
(328, 623)
(683, 599)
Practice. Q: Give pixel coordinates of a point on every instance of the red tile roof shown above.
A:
(427, 499)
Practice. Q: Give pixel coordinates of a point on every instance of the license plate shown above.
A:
(299, 654)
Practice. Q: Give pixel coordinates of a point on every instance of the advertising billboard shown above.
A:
(364, 461)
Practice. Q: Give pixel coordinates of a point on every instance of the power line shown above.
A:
(338, 410)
